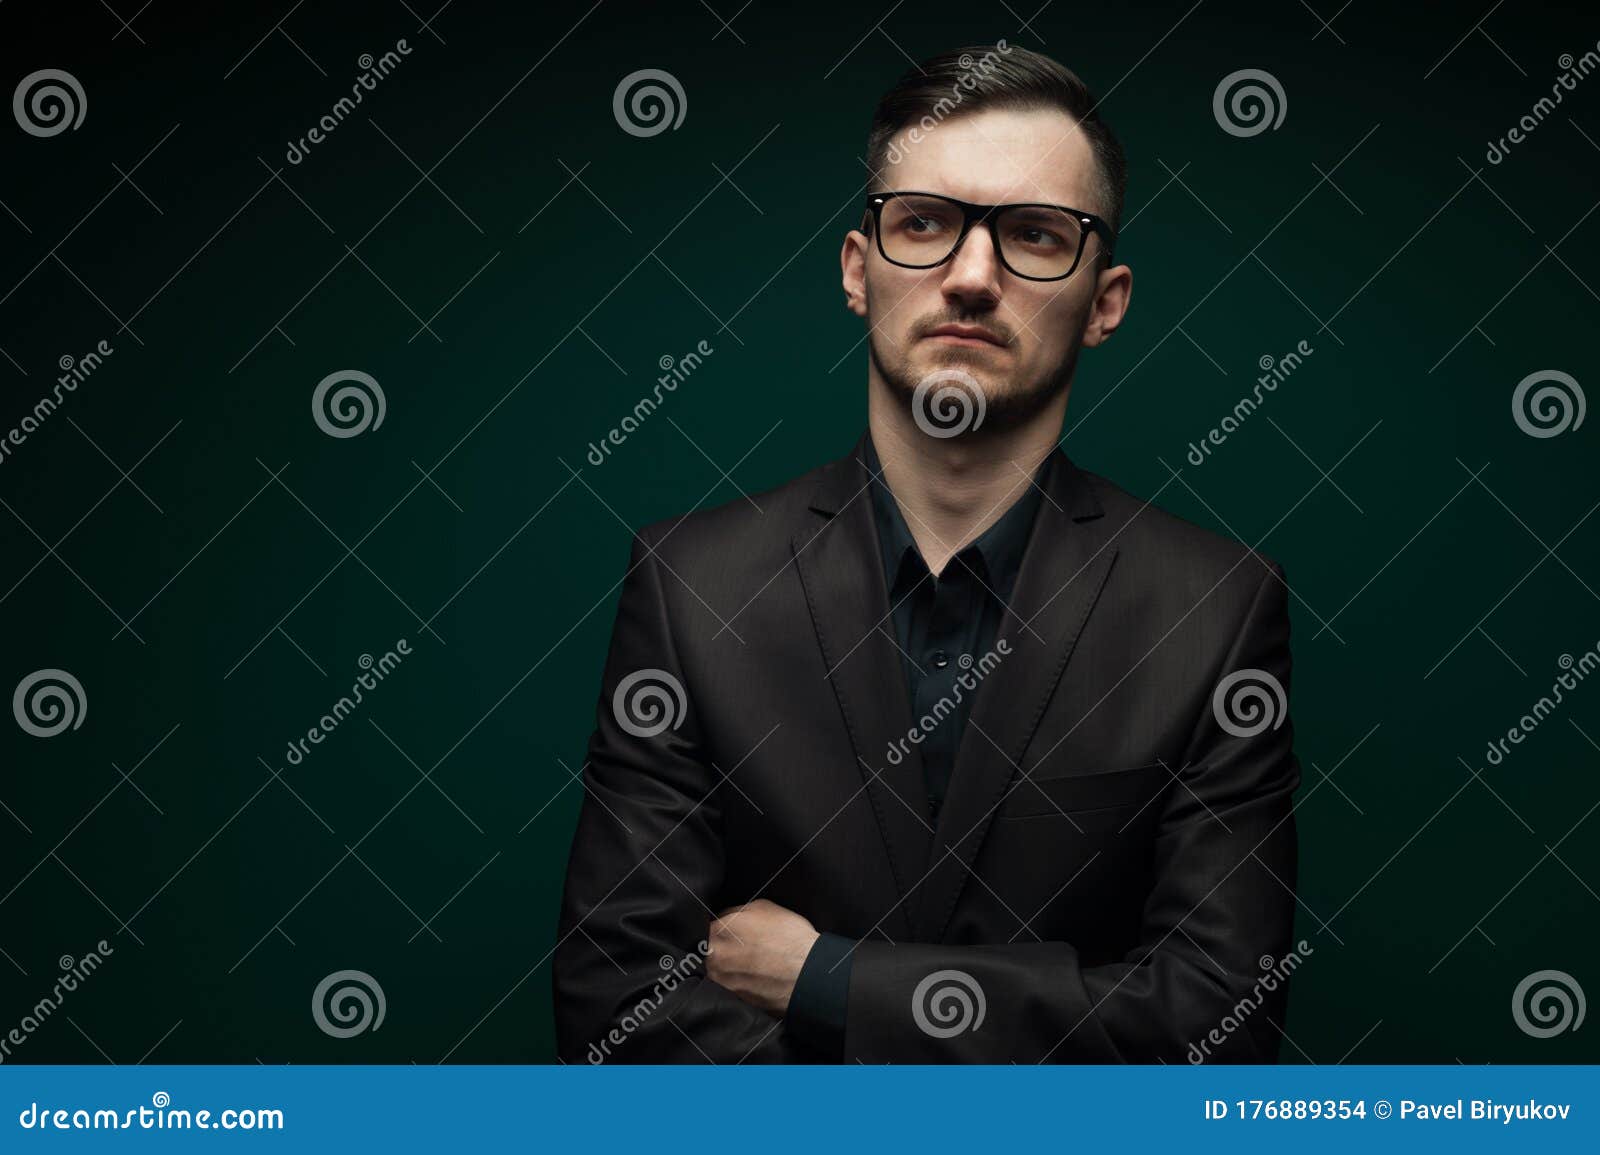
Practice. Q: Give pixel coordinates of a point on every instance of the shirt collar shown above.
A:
(998, 549)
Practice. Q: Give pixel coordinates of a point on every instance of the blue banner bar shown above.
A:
(758, 1111)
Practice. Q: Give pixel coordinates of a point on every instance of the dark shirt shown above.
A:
(943, 625)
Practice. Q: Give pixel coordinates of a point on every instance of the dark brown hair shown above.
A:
(998, 76)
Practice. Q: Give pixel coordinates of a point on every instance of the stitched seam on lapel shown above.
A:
(849, 721)
(1033, 725)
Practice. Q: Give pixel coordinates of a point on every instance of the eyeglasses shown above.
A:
(1038, 242)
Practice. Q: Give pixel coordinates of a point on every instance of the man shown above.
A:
(953, 751)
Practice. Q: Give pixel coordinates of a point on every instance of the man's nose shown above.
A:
(973, 274)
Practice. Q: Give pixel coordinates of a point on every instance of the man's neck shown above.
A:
(952, 489)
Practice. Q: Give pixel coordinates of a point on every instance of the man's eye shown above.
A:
(923, 225)
(1037, 237)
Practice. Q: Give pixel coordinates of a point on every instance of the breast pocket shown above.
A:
(1095, 800)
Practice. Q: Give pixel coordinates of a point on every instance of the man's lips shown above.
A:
(966, 335)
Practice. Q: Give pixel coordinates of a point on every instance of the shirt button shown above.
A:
(940, 659)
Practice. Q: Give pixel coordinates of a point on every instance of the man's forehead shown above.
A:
(995, 156)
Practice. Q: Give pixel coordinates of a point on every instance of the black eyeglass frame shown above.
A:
(987, 214)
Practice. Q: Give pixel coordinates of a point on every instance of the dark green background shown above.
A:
(499, 707)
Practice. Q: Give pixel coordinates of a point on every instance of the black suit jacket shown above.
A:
(1111, 867)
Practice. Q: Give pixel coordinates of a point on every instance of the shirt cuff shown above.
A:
(816, 1015)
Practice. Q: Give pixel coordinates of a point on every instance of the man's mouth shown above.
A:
(973, 335)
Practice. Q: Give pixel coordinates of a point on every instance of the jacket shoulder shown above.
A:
(749, 526)
(1161, 542)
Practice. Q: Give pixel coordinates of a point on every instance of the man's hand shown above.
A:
(757, 951)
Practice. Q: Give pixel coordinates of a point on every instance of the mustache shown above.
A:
(988, 323)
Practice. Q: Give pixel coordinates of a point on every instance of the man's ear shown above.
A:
(853, 271)
(1113, 294)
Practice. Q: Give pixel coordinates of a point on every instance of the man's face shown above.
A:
(1017, 338)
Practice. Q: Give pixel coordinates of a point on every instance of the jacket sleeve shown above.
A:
(646, 867)
(1208, 978)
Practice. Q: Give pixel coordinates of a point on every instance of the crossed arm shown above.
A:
(647, 971)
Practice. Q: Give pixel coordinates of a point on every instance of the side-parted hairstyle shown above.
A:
(996, 76)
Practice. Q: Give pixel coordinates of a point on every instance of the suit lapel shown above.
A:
(841, 567)
(1063, 571)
